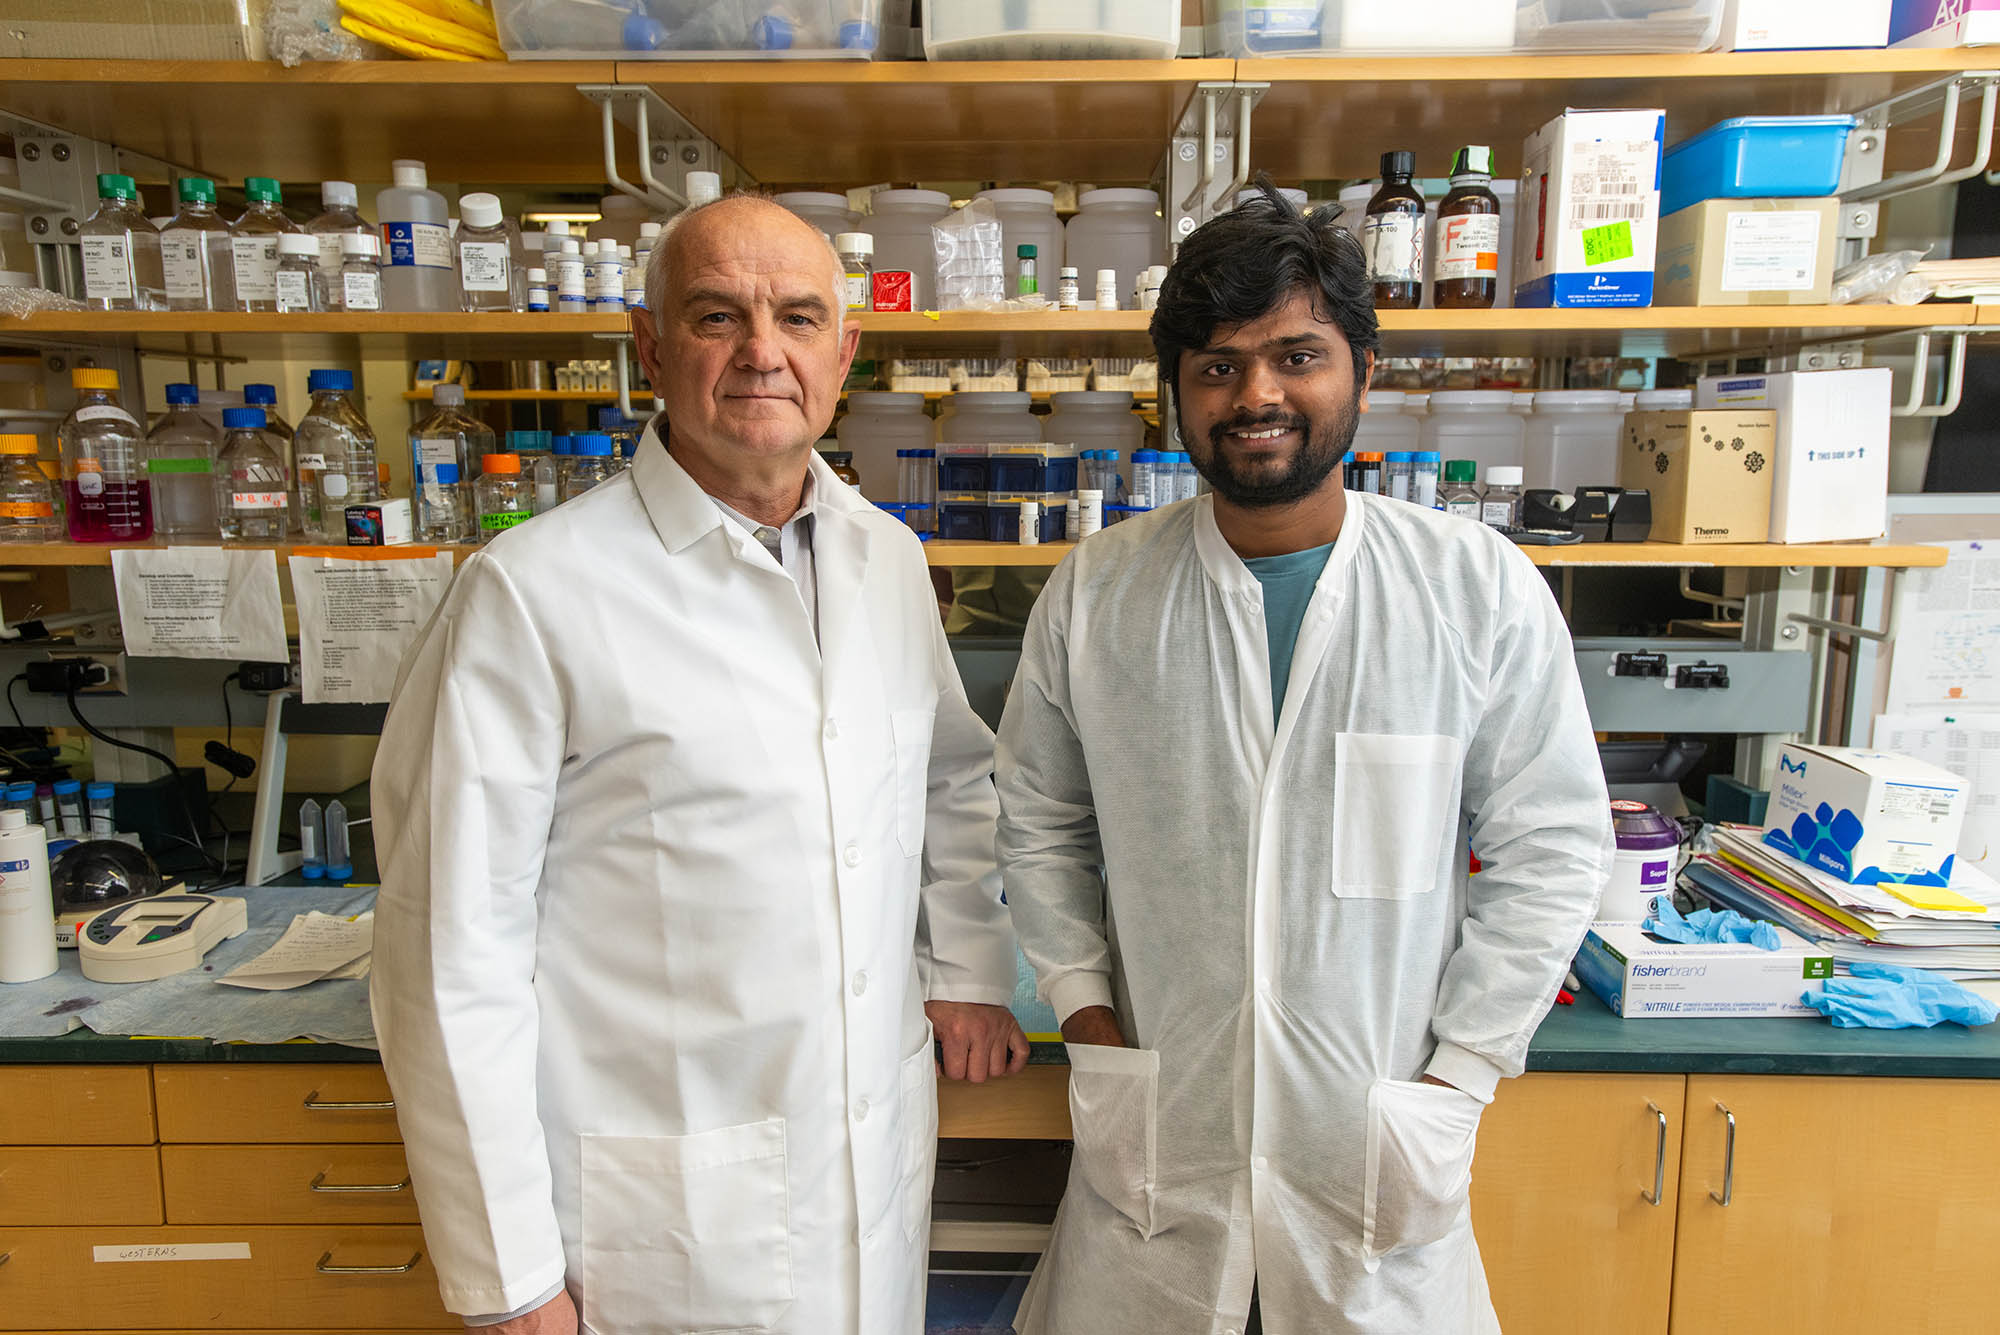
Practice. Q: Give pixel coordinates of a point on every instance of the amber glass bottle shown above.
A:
(1465, 272)
(1392, 234)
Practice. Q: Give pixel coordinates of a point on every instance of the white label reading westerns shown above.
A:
(174, 1251)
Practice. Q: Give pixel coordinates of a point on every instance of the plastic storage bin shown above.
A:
(1064, 30)
(1592, 26)
(1756, 157)
(1462, 27)
(1003, 516)
(962, 516)
(689, 29)
(1032, 470)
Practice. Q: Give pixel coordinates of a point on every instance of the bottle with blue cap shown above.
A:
(21, 795)
(536, 458)
(580, 25)
(445, 450)
(312, 841)
(179, 458)
(69, 807)
(266, 397)
(333, 458)
(590, 465)
(339, 864)
(252, 497)
(97, 799)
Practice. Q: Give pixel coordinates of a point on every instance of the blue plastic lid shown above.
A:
(1145, 456)
(563, 444)
(928, 454)
(773, 32)
(1402, 456)
(57, 847)
(1428, 457)
(629, 448)
(182, 395)
(260, 394)
(64, 787)
(238, 419)
(313, 871)
(17, 792)
(857, 35)
(341, 872)
(591, 445)
(644, 34)
(96, 790)
(517, 441)
(325, 378)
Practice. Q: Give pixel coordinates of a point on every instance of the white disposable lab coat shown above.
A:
(660, 909)
(1284, 923)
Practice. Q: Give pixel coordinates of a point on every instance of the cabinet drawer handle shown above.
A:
(5, 1257)
(1659, 1191)
(319, 1184)
(314, 1102)
(1728, 1161)
(404, 1269)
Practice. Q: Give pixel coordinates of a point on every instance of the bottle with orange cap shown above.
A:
(501, 496)
(27, 500)
(105, 492)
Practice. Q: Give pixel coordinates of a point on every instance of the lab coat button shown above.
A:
(852, 857)
(832, 730)
(1261, 1164)
(860, 981)
(861, 1110)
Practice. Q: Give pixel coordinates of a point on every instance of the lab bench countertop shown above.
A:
(1582, 1037)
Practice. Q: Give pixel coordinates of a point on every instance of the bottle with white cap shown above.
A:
(703, 188)
(538, 292)
(572, 296)
(485, 245)
(416, 232)
(565, 266)
(1107, 289)
(607, 292)
(359, 284)
(1500, 507)
(297, 280)
(635, 278)
(27, 904)
(857, 260)
(342, 217)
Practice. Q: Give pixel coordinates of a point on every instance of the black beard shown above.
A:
(1319, 453)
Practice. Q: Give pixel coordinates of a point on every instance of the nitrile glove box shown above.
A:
(1831, 482)
(1866, 816)
(1638, 976)
(1589, 210)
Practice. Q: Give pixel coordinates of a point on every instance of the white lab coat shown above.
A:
(660, 909)
(1284, 923)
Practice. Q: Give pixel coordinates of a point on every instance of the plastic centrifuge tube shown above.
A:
(338, 865)
(311, 842)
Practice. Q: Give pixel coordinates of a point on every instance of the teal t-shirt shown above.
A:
(1288, 582)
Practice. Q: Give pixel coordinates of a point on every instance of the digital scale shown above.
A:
(157, 936)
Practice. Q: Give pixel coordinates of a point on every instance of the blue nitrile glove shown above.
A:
(1890, 996)
(1708, 926)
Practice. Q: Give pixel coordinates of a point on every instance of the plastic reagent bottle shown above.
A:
(538, 291)
(1107, 289)
(333, 457)
(590, 465)
(121, 250)
(607, 290)
(195, 252)
(180, 465)
(69, 808)
(1466, 259)
(1067, 296)
(253, 245)
(635, 279)
(416, 241)
(485, 254)
(360, 283)
(444, 447)
(250, 499)
(1461, 489)
(27, 904)
(857, 255)
(1025, 284)
(299, 285)
(312, 841)
(1501, 506)
(27, 500)
(702, 188)
(342, 218)
(105, 491)
(1392, 234)
(503, 498)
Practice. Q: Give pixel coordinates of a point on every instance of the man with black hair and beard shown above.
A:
(1249, 741)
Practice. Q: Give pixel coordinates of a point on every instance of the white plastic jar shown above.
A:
(900, 221)
(1096, 419)
(1663, 401)
(1028, 218)
(823, 209)
(989, 418)
(1115, 229)
(1524, 402)
(877, 424)
(1571, 439)
(1474, 424)
(1383, 427)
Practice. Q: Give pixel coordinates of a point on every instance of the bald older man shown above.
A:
(687, 851)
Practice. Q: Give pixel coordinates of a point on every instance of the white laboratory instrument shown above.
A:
(155, 937)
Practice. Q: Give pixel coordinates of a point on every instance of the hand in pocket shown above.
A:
(1418, 1171)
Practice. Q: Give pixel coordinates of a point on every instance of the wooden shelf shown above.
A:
(1651, 331)
(99, 553)
(1139, 401)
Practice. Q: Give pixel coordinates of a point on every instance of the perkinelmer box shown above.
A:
(1866, 816)
(1589, 210)
(1642, 977)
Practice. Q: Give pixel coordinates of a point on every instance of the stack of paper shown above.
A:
(1955, 929)
(316, 946)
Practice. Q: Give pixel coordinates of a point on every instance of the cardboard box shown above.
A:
(1787, 25)
(1944, 22)
(1709, 473)
(133, 29)
(1866, 816)
(1747, 252)
(1832, 479)
(1589, 210)
(1641, 977)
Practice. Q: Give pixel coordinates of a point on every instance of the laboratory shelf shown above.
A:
(99, 553)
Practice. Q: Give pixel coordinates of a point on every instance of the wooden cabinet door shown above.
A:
(1560, 1201)
(1856, 1206)
(76, 1105)
(49, 1185)
(287, 1184)
(226, 1103)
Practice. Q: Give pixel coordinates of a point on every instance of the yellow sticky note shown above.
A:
(1935, 897)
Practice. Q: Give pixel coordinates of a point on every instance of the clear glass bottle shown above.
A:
(194, 252)
(27, 501)
(105, 492)
(251, 491)
(445, 450)
(1392, 234)
(333, 458)
(299, 285)
(417, 270)
(1461, 495)
(265, 396)
(1465, 261)
(342, 218)
(588, 466)
(253, 244)
(1026, 283)
(121, 251)
(180, 465)
(1501, 506)
(485, 245)
(360, 281)
(502, 498)
(1067, 296)
(857, 261)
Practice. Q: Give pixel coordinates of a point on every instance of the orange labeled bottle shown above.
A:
(1465, 272)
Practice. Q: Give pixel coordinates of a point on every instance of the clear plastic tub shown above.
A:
(1062, 30)
(1115, 229)
(690, 29)
(1756, 157)
(1463, 27)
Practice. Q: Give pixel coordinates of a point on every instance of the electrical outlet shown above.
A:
(107, 633)
(113, 665)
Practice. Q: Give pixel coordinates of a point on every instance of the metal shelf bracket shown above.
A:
(1862, 180)
(1195, 157)
(664, 136)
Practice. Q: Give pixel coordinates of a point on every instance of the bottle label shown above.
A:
(104, 412)
(609, 280)
(857, 292)
(1500, 514)
(333, 485)
(107, 267)
(436, 449)
(329, 254)
(493, 523)
(1394, 244)
(315, 462)
(294, 290)
(423, 245)
(180, 255)
(256, 263)
(256, 500)
(89, 477)
(1468, 246)
(1463, 509)
(361, 291)
(27, 510)
(484, 266)
(178, 466)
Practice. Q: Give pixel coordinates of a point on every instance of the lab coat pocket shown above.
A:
(920, 1128)
(913, 763)
(1114, 1120)
(1418, 1170)
(686, 1235)
(1395, 804)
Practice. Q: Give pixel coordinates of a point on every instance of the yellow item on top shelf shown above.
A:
(465, 13)
(415, 25)
(368, 32)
